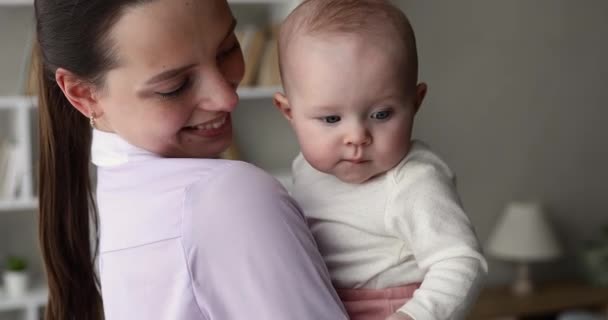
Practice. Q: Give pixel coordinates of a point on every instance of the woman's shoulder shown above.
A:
(190, 173)
(231, 174)
(234, 184)
(236, 200)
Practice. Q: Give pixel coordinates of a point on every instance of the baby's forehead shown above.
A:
(377, 18)
(331, 69)
(388, 49)
(373, 22)
(374, 29)
(387, 38)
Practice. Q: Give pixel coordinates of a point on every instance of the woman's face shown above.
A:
(179, 64)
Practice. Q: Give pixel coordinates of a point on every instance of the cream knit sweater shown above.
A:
(406, 226)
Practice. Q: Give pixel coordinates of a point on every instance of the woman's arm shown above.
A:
(250, 252)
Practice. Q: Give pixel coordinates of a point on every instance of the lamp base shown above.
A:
(522, 285)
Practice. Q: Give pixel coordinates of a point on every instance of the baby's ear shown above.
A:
(421, 90)
(282, 103)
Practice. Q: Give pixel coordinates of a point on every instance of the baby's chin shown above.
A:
(346, 172)
(354, 176)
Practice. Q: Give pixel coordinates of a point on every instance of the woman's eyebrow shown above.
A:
(165, 75)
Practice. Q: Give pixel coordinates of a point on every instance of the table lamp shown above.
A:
(523, 235)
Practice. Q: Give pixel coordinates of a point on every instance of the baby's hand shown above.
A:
(399, 316)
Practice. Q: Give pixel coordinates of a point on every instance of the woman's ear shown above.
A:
(421, 90)
(282, 103)
(79, 93)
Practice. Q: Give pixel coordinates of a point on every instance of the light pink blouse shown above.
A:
(202, 239)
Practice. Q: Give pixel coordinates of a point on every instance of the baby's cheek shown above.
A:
(318, 156)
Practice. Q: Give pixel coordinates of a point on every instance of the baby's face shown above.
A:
(349, 105)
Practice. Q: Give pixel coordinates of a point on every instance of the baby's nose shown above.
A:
(357, 136)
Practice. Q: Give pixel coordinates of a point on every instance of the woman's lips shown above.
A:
(212, 128)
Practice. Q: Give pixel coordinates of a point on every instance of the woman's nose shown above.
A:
(218, 94)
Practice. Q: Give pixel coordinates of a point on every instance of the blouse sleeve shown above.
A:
(250, 253)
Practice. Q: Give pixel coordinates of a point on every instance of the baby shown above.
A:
(383, 208)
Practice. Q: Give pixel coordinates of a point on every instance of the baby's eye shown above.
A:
(331, 119)
(381, 115)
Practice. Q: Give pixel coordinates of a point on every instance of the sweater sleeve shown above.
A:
(250, 253)
(426, 213)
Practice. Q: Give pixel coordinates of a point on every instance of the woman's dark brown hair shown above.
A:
(73, 35)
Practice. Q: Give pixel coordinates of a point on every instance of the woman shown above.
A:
(182, 234)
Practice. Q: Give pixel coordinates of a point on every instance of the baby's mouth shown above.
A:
(356, 161)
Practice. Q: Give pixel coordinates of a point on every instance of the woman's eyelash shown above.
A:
(232, 49)
(175, 92)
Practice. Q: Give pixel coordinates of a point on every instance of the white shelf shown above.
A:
(14, 3)
(18, 204)
(11, 102)
(35, 297)
(257, 92)
(31, 302)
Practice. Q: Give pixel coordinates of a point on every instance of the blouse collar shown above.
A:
(109, 149)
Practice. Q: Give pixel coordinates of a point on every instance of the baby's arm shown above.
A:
(425, 212)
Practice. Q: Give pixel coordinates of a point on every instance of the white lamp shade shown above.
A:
(523, 234)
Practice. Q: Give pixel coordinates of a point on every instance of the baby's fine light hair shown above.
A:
(376, 18)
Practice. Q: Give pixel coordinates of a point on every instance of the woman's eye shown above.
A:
(331, 119)
(381, 115)
(229, 51)
(176, 92)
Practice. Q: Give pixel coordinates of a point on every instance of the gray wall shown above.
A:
(16, 26)
(517, 105)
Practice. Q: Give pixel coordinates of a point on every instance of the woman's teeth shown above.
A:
(211, 125)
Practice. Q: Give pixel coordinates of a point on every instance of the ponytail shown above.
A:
(72, 35)
(67, 208)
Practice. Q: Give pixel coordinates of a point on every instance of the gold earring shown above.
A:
(92, 120)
